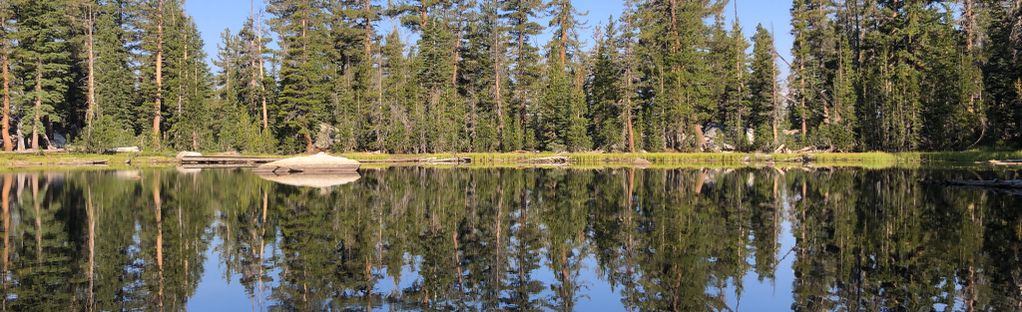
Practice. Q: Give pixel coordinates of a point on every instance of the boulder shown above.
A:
(126, 149)
(319, 163)
(182, 155)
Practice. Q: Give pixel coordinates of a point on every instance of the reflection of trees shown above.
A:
(488, 239)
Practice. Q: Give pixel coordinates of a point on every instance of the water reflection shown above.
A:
(502, 239)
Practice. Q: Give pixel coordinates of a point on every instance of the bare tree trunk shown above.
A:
(5, 123)
(498, 56)
(36, 118)
(157, 114)
(5, 199)
(629, 88)
(564, 33)
(774, 103)
(262, 70)
(90, 210)
(158, 204)
(90, 25)
(310, 146)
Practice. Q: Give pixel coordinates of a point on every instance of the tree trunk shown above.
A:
(262, 72)
(310, 145)
(5, 122)
(498, 53)
(564, 32)
(91, 109)
(36, 118)
(90, 211)
(157, 114)
(700, 136)
(158, 204)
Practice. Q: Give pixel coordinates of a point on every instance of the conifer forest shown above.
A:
(666, 75)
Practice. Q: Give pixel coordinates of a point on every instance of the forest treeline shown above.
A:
(665, 75)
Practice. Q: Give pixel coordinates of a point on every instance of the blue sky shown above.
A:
(213, 16)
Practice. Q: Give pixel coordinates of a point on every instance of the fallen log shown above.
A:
(453, 160)
(553, 160)
(1001, 184)
(1007, 162)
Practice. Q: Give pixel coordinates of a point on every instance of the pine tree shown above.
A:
(44, 63)
(561, 119)
(838, 127)
(399, 96)
(303, 66)
(116, 95)
(479, 77)
(519, 17)
(605, 96)
(810, 29)
(6, 14)
(764, 109)
(1001, 74)
(672, 39)
(728, 62)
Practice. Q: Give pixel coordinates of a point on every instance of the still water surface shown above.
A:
(511, 239)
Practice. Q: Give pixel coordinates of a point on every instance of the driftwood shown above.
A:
(239, 161)
(126, 149)
(453, 160)
(1007, 162)
(552, 160)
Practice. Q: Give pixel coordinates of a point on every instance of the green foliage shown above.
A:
(106, 133)
(865, 75)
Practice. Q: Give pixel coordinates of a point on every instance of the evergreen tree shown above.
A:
(561, 118)
(43, 63)
(6, 15)
(810, 29)
(524, 58)
(729, 65)
(480, 67)
(763, 90)
(676, 102)
(116, 95)
(304, 64)
(1002, 73)
(605, 97)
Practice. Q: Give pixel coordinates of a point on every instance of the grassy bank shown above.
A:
(76, 160)
(871, 160)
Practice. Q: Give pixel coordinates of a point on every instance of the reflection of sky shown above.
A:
(215, 293)
(768, 295)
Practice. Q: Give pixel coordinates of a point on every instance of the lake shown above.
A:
(409, 238)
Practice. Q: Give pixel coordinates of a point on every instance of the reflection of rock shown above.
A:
(187, 170)
(322, 181)
(133, 175)
(321, 163)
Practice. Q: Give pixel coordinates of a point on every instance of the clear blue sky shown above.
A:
(213, 16)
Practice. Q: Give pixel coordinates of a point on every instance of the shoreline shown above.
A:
(550, 159)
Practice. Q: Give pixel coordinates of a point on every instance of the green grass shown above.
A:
(581, 160)
(66, 160)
